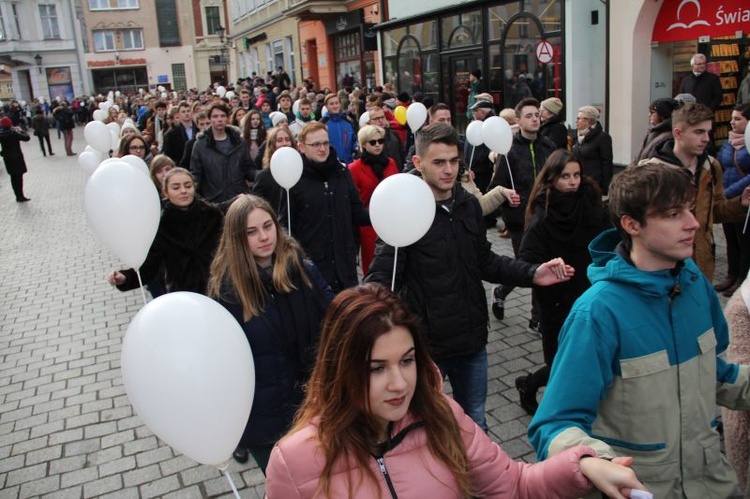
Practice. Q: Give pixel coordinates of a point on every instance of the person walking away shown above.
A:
(41, 129)
(67, 124)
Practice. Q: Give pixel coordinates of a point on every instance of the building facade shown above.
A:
(139, 44)
(40, 43)
(215, 56)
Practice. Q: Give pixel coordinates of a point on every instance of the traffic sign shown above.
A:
(544, 52)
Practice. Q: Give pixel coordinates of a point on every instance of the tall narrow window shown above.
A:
(169, 33)
(178, 77)
(50, 27)
(17, 22)
(213, 20)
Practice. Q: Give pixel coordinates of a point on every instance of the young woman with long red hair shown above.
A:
(375, 423)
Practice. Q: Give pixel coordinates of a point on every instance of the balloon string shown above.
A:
(395, 261)
(143, 292)
(471, 157)
(744, 229)
(288, 213)
(512, 185)
(231, 483)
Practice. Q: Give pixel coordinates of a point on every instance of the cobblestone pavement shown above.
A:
(67, 428)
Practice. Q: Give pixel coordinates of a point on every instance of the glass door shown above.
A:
(456, 86)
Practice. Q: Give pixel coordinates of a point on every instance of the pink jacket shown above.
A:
(296, 465)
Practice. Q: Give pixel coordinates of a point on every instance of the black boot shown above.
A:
(241, 455)
(526, 395)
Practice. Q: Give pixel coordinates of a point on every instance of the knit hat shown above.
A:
(553, 105)
(277, 117)
(128, 124)
(664, 107)
(5, 122)
(684, 98)
(477, 73)
(481, 104)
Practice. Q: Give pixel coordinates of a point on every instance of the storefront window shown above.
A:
(430, 76)
(523, 77)
(346, 53)
(462, 30)
(391, 39)
(497, 18)
(389, 71)
(409, 66)
(547, 11)
(426, 33)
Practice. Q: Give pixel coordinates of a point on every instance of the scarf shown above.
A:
(320, 171)
(571, 217)
(737, 140)
(376, 163)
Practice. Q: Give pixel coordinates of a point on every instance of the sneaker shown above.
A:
(498, 303)
(533, 327)
(526, 396)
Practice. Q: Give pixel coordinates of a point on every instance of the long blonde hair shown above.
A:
(234, 263)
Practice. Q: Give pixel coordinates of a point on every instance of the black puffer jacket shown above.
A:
(220, 176)
(10, 141)
(526, 158)
(326, 213)
(185, 244)
(556, 131)
(440, 277)
(595, 153)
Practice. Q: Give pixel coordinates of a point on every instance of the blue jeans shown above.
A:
(468, 377)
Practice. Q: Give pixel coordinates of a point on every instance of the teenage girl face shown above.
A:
(137, 147)
(255, 120)
(282, 139)
(261, 236)
(162, 173)
(739, 122)
(375, 145)
(570, 178)
(393, 376)
(240, 114)
(180, 190)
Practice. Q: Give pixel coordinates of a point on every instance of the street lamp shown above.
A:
(38, 59)
(220, 30)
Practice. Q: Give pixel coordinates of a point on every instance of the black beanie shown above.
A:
(664, 107)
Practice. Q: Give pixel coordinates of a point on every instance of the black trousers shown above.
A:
(16, 182)
(42, 138)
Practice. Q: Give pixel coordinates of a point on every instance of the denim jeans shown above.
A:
(468, 377)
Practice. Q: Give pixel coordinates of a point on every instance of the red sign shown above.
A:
(691, 19)
(544, 52)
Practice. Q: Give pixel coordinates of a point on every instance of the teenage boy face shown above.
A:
(529, 119)
(304, 110)
(439, 168)
(663, 239)
(316, 146)
(693, 139)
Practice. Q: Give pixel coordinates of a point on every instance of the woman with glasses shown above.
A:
(372, 166)
(135, 145)
(265, 186)
(185, 242)
(594, 147)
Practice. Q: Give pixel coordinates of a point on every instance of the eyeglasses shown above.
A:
(137, 148)
(318, 145)
(376, 142)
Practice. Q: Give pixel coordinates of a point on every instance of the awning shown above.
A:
(691, 19)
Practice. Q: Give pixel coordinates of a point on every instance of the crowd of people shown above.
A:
(349, 375)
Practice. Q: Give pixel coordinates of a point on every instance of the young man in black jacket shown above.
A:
(440, 276)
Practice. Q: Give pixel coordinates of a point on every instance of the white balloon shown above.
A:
(295, 107)
(474, 133)
(41, 100)
(89, 148)
(221, 91)
(117, 94)
(364, 119)
(97, 135)
(99, 115)
(229, 95)
(188, 371)
(137, 162)
(324, 112)
(497, 135)
(160, 88)
(104, 105)
(115, 107)
(416, 115)
(747, 137)
(123, 208)
(114, 138)
(164, 95)
(402, 209)
(23, 103)
(286, 167)
(89, 160)
(114, 126)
